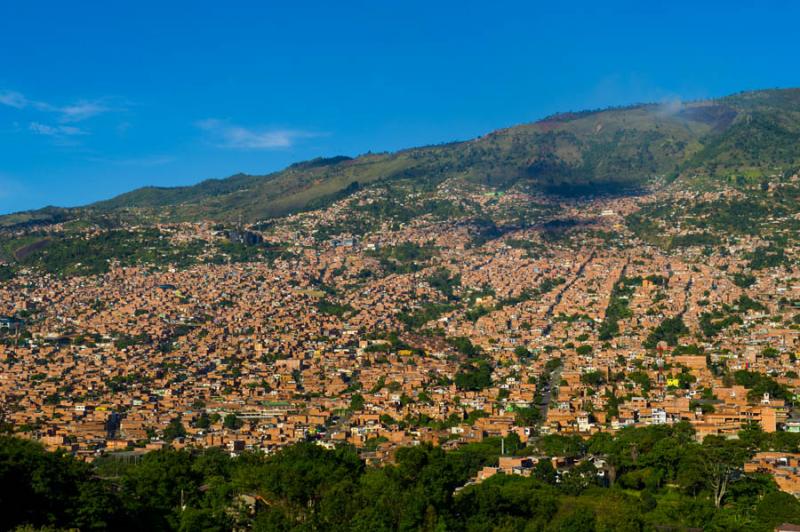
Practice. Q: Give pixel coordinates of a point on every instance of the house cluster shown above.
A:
(574, 336)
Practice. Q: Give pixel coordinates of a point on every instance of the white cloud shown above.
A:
(82, 110)
(13, 99)
(232, 136)
(76, 112)
(55, 131)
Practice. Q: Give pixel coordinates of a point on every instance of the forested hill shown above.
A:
(748, 135)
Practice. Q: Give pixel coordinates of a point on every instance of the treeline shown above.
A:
(652, 478)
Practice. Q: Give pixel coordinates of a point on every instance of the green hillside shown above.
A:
(744, 136)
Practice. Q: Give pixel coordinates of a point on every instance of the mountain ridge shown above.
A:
(744, 135)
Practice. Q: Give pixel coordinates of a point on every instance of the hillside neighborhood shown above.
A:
(419, 332)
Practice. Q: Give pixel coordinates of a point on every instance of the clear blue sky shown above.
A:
(97, 98)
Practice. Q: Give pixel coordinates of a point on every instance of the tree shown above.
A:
(464, 345)
(584, 350)
(759, 384)
(667, 331)
(641, 378)
(203, 421)
(579, 520)
(721, 459)
(552, 364)
(356, 402)
(441, 280)
(593, 378)
(153, 490)
(753, 436)
(527, 416)
(174, 430)
(474, 377)
(46, 489)
(521, 352)
(778, 507)
(232, 422)
(579, 478)
(544, 471)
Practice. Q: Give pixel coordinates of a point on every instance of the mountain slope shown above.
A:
(746, 135)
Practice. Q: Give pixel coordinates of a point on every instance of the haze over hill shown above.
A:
(746, 135)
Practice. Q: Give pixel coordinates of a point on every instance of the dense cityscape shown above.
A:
(449, 330)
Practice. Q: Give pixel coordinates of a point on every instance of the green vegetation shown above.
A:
(758, 384)
(593, 378)
(174, 430)
(405, 257)
(618, 307)
(356, 402)
(447, 284)
(766, 211)
(232, 422)
(714, 322)
(584, 350)
(533, 249)
(464, 346)
(641, 379)
(693, 239)
(474, 377)
(527, 416)
(743, 280)
(654, 478)
(417, 318)
(767, 257)
(76, 253)
(87, 255)
(667, 331)
(333, 309)
(545, 287)
(6, 273)
(476, 313)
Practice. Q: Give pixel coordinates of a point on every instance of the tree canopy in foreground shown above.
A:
(652, 478)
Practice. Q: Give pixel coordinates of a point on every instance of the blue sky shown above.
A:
(97, 98)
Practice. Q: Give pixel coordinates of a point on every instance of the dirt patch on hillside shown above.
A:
(26, 251)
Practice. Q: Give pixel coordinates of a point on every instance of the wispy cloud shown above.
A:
(13, 99)
(228, 135)
(82, 110)
(75, 112)
(55, 131)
